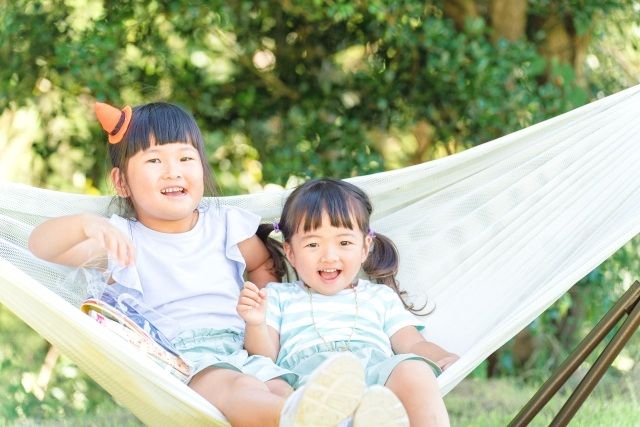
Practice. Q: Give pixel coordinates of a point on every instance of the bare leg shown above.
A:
(415, 385)
(243, 399)
(279, 387)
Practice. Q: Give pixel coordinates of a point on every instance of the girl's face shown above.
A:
(165, 183)
(328, 258)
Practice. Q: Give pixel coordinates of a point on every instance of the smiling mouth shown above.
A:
(329, 273)
(173, 191)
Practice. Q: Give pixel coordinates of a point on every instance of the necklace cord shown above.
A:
(353, 327)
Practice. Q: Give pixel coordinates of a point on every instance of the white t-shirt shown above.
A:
(189, 280)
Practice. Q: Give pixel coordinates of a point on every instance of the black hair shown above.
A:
(158, 123)
(345, 205)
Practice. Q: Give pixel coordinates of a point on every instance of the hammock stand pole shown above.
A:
(629, 304)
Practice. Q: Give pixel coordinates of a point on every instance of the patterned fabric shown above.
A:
(223, 348)
(377, 363)
(380, 315)
(126, 304)
(123, 315)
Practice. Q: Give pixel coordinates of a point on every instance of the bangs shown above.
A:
(340, 207)
(161, 123)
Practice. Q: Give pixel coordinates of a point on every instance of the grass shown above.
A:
(75, 400)
(474, 402)
(494, 402)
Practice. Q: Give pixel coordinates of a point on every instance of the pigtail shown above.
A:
(382, 263)
(382, 266)
(276, 252)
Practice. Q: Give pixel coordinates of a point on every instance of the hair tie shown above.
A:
(371, 233)
(115, 122)
(276, 227)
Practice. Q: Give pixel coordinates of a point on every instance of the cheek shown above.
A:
(288, 253)
(366, 248)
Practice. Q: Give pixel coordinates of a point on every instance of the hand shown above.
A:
(108, 237)
(446, 361)
(252, 304)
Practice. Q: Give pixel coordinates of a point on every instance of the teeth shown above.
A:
(329, 270)
(172, 190)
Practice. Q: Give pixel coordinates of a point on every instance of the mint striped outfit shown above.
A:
(302, 347)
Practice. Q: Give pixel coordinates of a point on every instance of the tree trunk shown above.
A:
(568, 325)
(423, 133)
(563, 44)
(459, 10)
(580, 46)
(508, 19)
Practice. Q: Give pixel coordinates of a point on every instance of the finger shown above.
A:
(123, 256)
(101, 241)
(243, 308)
(111, 247)
(250, 293)
(246, 293)
(251, 286)
(124, 250)
(246, 306)
(249, 302)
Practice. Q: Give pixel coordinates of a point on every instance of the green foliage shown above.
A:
(22, 355)
(582, 13)
(298, 88)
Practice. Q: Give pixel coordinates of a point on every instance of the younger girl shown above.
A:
(325, 227)
(183, 257)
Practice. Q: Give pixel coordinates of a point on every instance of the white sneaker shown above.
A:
(331, 394)
(380, 407)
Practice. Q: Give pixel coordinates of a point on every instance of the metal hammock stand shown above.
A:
(628, 305)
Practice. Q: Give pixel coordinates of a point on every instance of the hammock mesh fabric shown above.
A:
(490, 237)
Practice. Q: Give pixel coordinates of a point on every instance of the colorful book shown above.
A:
(122, 318)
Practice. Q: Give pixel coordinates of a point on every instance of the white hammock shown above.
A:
(492, 236)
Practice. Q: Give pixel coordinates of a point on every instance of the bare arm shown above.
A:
(409, 340)
(80, 240)
(258, 337)
(258, 260)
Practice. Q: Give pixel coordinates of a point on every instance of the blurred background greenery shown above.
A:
(292, 89)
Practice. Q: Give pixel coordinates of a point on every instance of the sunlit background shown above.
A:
(288, 90)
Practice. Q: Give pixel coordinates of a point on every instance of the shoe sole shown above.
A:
(332, 393)
(380, 407)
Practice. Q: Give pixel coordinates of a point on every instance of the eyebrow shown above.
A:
(181, 149)
(312, 236)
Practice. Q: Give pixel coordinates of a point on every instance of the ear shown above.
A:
(120, 184)
(368, 241)
(288, 252)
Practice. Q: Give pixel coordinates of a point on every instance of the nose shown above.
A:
(172, 169)
(329, 254)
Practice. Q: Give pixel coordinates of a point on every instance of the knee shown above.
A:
(412, 372)
(212, 380)
(279, 387)
(244, 381)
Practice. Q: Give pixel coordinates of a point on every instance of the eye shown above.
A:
(311, 245)
(186, 158)
(154, 160)
(345, 243)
